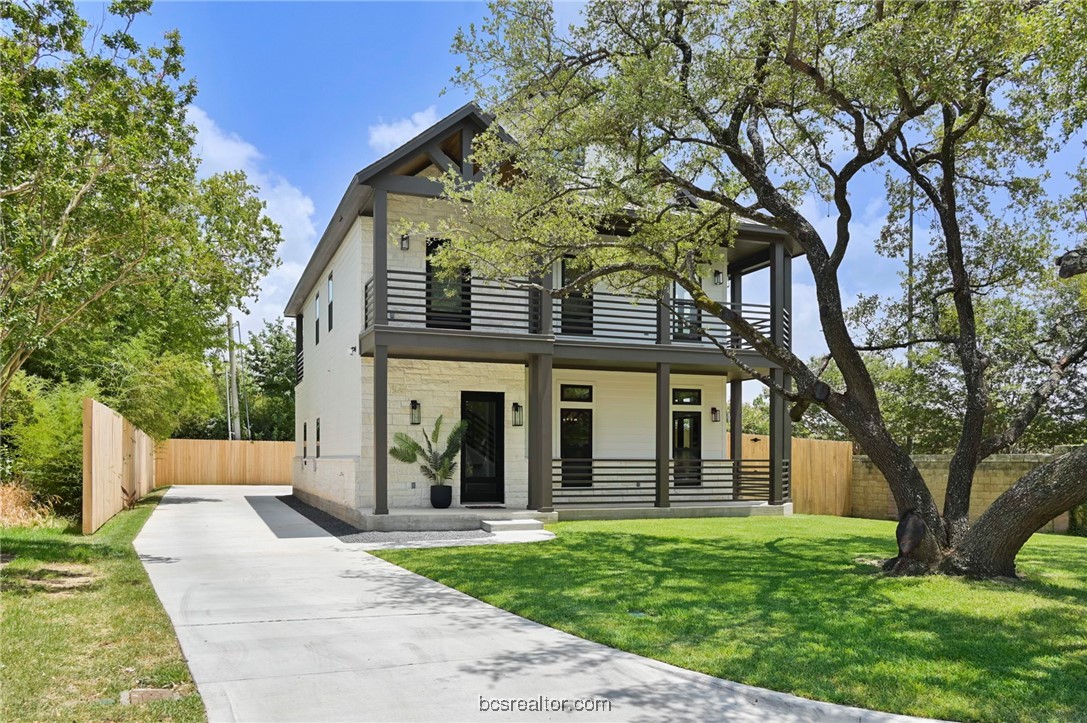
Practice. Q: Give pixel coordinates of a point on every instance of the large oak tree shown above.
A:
(636, 140)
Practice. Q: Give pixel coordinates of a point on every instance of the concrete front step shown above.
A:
(510, 525)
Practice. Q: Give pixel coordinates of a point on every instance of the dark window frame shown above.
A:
(317, 319)
(329, 289)
(571, 387)
(304, 440)
(299, 356)
(697, 393)
(317, 439)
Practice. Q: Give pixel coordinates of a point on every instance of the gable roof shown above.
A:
(356, 199)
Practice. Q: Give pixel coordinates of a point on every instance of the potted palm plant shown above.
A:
(437, 465)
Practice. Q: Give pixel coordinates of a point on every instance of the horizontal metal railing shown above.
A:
(419, 299)
(422, 299)
(632, 482)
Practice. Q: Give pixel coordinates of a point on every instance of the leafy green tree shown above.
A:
(634, 142)
(104, 224)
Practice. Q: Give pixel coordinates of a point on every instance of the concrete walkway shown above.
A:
(282, 622)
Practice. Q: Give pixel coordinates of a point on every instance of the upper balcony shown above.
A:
(420, 300)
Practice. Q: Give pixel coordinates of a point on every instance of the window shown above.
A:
(317, 439)
(329, 291)
(317, 319)
(575, 393)
(303, 440)
(691, 397)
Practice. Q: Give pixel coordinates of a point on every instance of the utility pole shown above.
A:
(232, 391)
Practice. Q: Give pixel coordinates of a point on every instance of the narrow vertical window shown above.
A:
(317, 439)
(317, 319)
(303, 440)
(329, 292)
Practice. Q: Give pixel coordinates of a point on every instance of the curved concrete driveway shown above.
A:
(282, 622)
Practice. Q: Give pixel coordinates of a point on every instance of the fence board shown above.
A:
(821, 472)
(223, 462)
(118, 461)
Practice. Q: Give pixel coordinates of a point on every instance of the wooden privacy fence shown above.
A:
(223, 462)
(118, 463)
(821, 473)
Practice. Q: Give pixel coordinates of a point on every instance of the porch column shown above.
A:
(736, 433)
(781, 427)
(539, 432)
(736, 298)
(381, 257)
(381, 430)
(664, 446)
(381, 353)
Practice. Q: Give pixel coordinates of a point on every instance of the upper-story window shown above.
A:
(317, 438)
(317, 319)
(303, 439)
(329, 292)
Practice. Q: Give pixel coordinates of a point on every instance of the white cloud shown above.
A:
(385, 137)
(221, 150)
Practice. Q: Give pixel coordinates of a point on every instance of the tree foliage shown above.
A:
(635, 141)
(104, 223)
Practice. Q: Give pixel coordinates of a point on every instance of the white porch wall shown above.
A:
(437, 386)
(624, 411)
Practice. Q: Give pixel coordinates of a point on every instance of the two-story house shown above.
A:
(585, 406)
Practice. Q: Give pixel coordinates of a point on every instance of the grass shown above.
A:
(81, 623)
(793, 604)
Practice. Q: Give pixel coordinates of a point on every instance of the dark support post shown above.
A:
(736, 298)
(664, 430)
(539, 433)
(381, 253)
(736, 433)
(381, 430)
(664, 319)
(541, 307)
(381, 353)
(781, 429)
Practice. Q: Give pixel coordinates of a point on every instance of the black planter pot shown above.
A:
(441, 496)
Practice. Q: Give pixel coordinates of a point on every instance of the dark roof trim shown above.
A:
(358, 194)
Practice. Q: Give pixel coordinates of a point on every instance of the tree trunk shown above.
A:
(989, 547)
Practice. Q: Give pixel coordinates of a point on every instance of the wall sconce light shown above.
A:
(416, 412)
(718, 277)
(405, 242)
(715, 414)
(518, 415)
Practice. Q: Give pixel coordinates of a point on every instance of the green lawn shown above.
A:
(790, 604)
(81, 624)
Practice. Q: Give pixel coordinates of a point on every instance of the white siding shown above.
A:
(624, 411)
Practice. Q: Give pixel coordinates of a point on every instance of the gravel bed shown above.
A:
(349, 533)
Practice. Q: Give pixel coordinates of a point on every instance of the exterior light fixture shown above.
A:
(405, 242)
(416, 412)
(718, 277)
(715, 414)
(518, 415)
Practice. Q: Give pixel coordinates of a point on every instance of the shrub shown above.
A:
(46, 441)
(1077, 521)
(18, 507)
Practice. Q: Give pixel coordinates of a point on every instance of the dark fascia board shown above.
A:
(359, 193)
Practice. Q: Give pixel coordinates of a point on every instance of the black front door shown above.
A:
(687, 447)
(481, 458)
(576, 447)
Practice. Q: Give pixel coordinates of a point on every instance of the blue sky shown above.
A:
(303, 95)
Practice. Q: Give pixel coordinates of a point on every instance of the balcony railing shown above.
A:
(632, 482)
(423, 300)
(420, 299)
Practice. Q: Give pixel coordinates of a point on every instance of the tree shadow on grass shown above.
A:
(797, 614)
